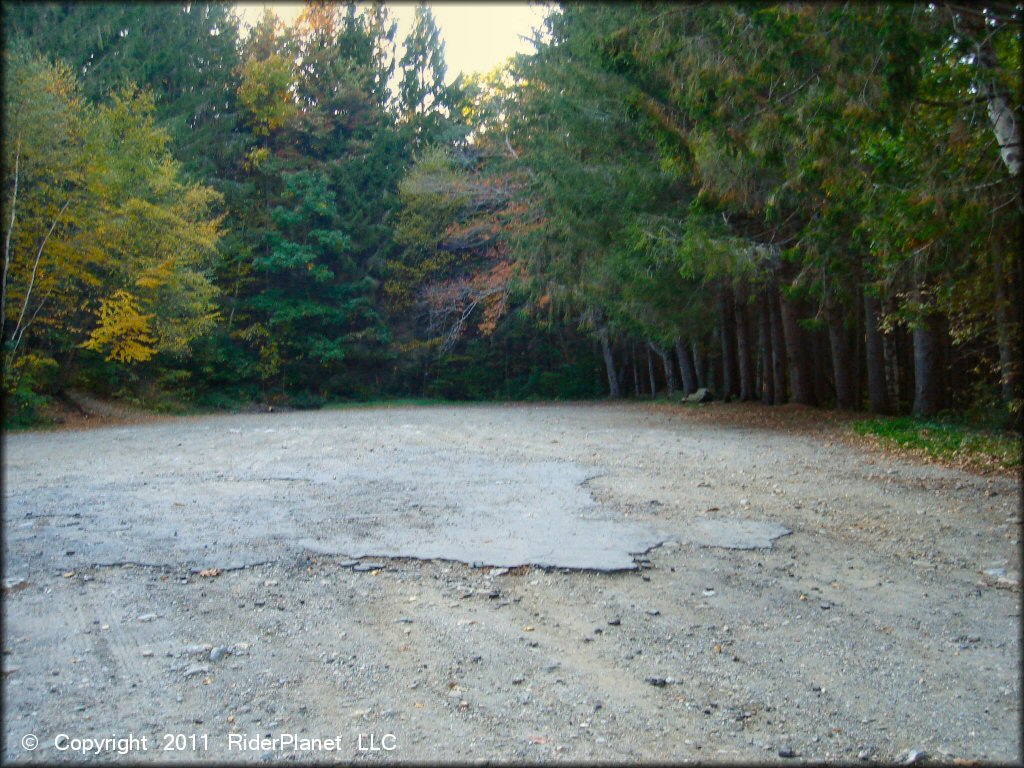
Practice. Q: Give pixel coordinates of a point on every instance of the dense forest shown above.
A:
(810, 203)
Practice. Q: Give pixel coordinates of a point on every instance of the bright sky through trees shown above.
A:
(478, 36)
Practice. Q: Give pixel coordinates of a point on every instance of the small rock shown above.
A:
(218, 653)
(653, 612)
(702, 395)
(786, 752)
(518, 680)
(147, 617)
(348, 563)
(745, 502)
(614, 622)
(403, 620)
(995, 573)
(659, 682)
(196, 669)
(369, 567)
(915, 756)
(15, 584)
(499, 571)
(147, 653)
(865, 754)
(270, 583)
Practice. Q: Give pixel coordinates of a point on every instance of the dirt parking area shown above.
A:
(582, 583)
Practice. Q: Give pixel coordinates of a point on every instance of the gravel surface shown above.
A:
(232, 579)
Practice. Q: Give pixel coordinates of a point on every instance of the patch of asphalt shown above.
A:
(885, 625)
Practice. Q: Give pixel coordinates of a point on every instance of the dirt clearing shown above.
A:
(351, 584)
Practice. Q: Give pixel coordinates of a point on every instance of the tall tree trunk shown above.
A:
(699, 368)
(609, 364)
(798, 353)
(650, 372)
(819, 356)
(1001, 115)
(778, 344)
(927, 377)
(727, 330)
(1008, 334)
(743, 346)
(666, 363)
(840, 356)
(636, 371)
(764, 337)
(686, 369)
(878, 392)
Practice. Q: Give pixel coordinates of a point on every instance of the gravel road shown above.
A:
(541, 583)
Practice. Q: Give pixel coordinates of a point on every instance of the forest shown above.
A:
(787, 203)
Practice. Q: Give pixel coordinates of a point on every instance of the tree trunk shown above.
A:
(699, 368)
(1008, 334)
(727, 330)
(927, 377)
(878, 392)
(840, 357)
(1000, 112)
(743, 346)
(764, 337)
(798, 347)
(686, 368)
(666, 363)
(778, 345)
(636, 371)
(650, 372)
(609, 364)
(819, 356)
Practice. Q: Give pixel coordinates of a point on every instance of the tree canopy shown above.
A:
(817, 203)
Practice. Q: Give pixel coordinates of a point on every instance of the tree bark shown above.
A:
(743, 346)
(927, 378)
(650, 372)
(636, 371)
(609, 363)
(819, 357)
(798, 353)
(764, 337)
(671, 383)
(1000, 113)
(1008, 334)
(727, 331)
(699, 369)
(878, 392)
(840, 357)
(778, 344)
(686, 369)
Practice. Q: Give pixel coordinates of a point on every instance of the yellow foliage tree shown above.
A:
(123, 332)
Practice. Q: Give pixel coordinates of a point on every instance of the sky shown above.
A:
(478, 36)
